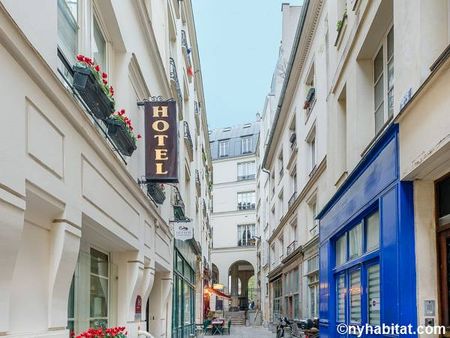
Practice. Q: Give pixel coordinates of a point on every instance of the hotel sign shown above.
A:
(161, 142)
(183, 230)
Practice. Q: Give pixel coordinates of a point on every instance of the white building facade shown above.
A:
(233, 218)
(83, 244)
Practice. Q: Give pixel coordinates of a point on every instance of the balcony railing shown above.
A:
(292, 199)
(246, 206)
(246, 177)
(197, 181)
(188, 140)
(291, 248)
(176, 84)
(197, 116)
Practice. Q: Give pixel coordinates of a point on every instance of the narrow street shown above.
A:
(249, 332)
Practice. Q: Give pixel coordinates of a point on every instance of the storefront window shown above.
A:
(373, 291)
(99, 285)
(373, 231)
(341, 250)
(355, 242)
(340, 301)
(355, 296)
(350, 277)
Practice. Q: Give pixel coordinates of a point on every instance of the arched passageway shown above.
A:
(241, 285)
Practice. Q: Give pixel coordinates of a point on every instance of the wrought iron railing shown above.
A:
(66, 73)
(188, 138)
(174, 78)
(197, 181)
(291, 248)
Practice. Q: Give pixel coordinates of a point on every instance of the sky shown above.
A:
(238, 44)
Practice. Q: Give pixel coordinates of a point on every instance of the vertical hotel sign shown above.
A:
(161, 142)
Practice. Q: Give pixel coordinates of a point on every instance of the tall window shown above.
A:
(246, 171)
(98, 45)
(246, 234)
(313, 286)
(277, 287)
(68, 28)
(224, 146)
(383, 77)
(355, 245)
(246, 200)
(246, 144)
(311, 140)
(99, 288)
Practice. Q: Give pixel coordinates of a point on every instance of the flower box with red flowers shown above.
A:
(92, 85)
(113, 332)
(120, 129)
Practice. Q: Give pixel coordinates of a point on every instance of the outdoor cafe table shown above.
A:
(217, 326)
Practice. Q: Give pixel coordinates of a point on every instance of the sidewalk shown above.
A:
(248, 332)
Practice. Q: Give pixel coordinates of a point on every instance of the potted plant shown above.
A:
(92, 85)
(309, 97)
(101, 332)
(120, 129)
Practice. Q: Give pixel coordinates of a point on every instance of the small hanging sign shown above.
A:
(183, 230)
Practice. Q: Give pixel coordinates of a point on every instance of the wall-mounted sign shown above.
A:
(138, 308)
(183, 230)
(161, 142)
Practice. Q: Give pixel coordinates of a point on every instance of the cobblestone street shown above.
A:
(249, 332)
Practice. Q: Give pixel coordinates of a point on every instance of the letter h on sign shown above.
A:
(161, 142)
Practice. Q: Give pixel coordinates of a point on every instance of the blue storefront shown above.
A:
(367, 256)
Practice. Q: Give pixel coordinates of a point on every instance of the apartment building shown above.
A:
(382, 231)
(86, 241)
(293, 160)
(234, 215)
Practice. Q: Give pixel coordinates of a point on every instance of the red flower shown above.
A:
(131, 128)
(97, 68)
(138, 136)
(122, 112)
(104, 75)
(111, 90)
(80, 57)
(104, 81)
(88, 60)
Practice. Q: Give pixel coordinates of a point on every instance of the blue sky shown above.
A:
(238, 44)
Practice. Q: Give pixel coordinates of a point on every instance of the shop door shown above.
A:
(444, 256)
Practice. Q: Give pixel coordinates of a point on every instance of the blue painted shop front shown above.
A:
(367, 256)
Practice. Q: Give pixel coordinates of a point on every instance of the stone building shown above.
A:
(83, 243)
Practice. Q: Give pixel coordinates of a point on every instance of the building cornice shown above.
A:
(301, 46)
(20, 48)
(316, 173)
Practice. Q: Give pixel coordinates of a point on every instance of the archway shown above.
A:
(240, 274)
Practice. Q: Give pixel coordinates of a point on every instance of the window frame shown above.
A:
(362, 263)
(246, 144)
(225, 142)
(383, 45)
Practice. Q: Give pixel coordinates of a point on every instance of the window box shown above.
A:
(121, 137)
(93, 95)
(156, 191)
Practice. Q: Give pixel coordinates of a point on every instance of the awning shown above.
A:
(218, 293)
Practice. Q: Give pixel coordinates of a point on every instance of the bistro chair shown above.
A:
(207, 325)
(227, 329)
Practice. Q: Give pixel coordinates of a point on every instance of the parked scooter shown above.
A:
(284, 322)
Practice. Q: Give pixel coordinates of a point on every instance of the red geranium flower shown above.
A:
(97, 68)
(138, 136)
(105, 82)
(104, 75)
(80, 57)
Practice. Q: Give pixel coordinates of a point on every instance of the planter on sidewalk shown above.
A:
(90, 90)
(121, 136)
